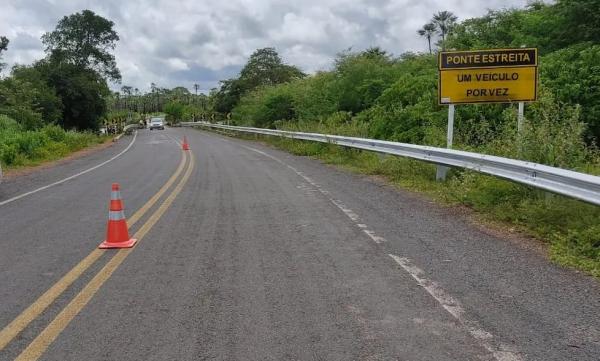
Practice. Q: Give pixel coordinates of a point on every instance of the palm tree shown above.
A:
(444, 21)
(427, 31)
(126, 91)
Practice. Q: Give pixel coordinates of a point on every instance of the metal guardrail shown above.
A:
(569, 183)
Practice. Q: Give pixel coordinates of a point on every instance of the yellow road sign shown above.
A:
(488, 76)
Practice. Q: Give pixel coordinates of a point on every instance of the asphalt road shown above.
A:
(249, 253)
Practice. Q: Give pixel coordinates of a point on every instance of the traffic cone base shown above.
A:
(127, 244)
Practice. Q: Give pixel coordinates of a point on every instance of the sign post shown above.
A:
(486, 76)
(443, 170)
(520, 117)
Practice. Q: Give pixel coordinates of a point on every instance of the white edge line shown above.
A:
(500, 351)
(70, 177)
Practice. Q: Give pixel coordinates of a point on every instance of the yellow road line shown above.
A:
(39, 345)
(36, 308)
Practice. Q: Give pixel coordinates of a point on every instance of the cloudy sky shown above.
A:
(182, 42)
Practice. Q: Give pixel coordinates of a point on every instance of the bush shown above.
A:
(174, 111)
(24, 147)
(8, 124)
(573, 76)
(8, 153)
(55, 133)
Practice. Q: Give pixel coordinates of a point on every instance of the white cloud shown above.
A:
(177, 64)
(184, 42)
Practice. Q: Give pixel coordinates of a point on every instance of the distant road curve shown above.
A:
(22, 195)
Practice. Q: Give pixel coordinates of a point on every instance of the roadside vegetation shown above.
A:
(176, 104)
(21, 147)
(54, 106)
(61, 103)
(374, 94)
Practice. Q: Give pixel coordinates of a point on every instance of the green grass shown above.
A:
(19, 148)
(570, 227)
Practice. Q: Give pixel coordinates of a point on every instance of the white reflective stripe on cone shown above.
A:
(115, 195)
(116, 215)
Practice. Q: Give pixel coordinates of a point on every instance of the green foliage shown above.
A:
(83, 93)
(579, 21)
(507, 28)
(428, 31)
(313, 97)
(3, 46)
(444, 21)
(264, 68)
(229, 95)
(17, 100)
(573, 75)
(65, 90)
(360, 79)
(562, 132)
(20, 147)
(68, 87)
(84, 39)
(44, 97)
(175, 111)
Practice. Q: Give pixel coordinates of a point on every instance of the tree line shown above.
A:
(394, 97)
(68, 86)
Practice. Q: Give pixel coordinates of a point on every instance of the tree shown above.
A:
(45, 98)
(444, 21)
(360, 78)
(580, 21)
(83, 93)
(17, 102)
(196, 87)
(85, 40)
(126, 90)
(228, 96)
(174, 111)
(428, 31)
(376, 53)
(536, 25)
(264, 68)
(573, 77)
(3, 46)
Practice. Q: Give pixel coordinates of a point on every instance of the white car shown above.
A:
(157, 123)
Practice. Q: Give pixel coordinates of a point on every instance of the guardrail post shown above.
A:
(441, 170)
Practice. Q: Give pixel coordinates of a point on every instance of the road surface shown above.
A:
(249, 253)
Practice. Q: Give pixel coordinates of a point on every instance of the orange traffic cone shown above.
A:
(117, 235)
(185, 145)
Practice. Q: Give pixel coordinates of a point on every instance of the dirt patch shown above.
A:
(13, 173)
(510, 233)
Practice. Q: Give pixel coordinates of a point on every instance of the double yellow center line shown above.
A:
(56, 326)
